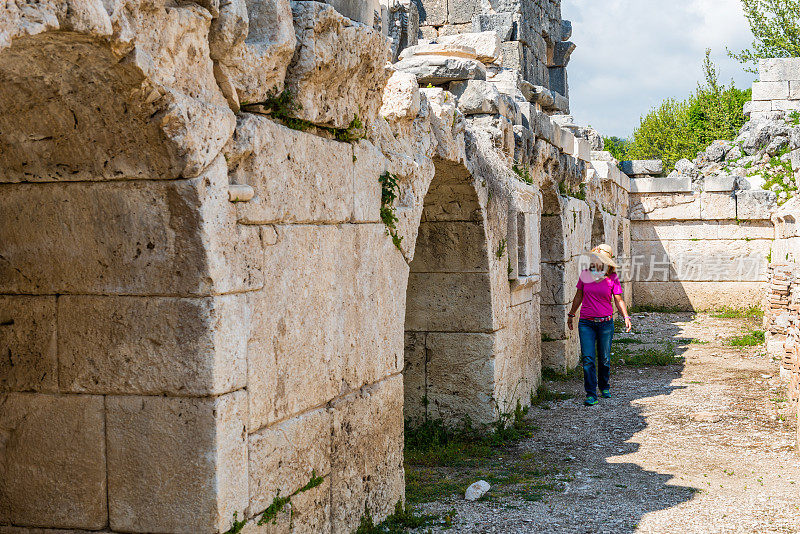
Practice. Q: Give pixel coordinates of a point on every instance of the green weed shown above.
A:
(738, 313)
(751, 339)
(646, 356)
(389, 190)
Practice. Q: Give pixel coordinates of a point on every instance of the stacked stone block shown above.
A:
(778, 88)
(698, 246)
(534, 38)
(202, 307)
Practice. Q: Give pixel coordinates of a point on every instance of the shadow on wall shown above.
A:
(450, 339)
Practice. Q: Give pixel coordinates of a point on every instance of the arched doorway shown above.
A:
(449, 332)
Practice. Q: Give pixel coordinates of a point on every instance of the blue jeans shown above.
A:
(596, 345)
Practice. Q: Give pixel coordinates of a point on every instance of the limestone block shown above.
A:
(439, 49)
(553, 248)
(414, 377)
(698, 295)
(541, 95)
(462, 11)
(153, 64)
(367, 454)
(644, 166)
(477, 97)
(567, 144)
(152, 345)
(297, 176)
(252, 44)
(293, 366)
(559, 84)
(176, 464)
(362, 11)
(283, 457)
(449, 302)
(509, 82)
(677, 206)
(28, 341)
(486, 44)
(460, 376)
(566, 30)
(561, 355)
(719, 183)
(375, 310)
(339, 67)
(718, 260)
(168, 237)
(401, 98)
(562, 53)
(544, 128)
(52, 462)
(554, 321)
(503, 23)
(513, 56)
(558, 283)
(432, 12)
(517, 361)
(788, 105)
(438, 70)
(368, 165)
(445, 246)
(717, 205)
(778, 69)
(669, 184)
(582, 149)
(770, 90)
(755, 204)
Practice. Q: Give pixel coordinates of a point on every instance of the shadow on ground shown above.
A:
(581, 481)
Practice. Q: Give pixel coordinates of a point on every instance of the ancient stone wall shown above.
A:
(698, 245)
(534, 40)
(571, 225)
(238, 250)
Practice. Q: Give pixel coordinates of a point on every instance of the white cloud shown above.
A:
(634, 53)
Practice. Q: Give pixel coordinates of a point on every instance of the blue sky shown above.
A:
(632, 54)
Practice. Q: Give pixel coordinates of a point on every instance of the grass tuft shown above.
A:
(645, 356)
(739, 313)
(751, 339)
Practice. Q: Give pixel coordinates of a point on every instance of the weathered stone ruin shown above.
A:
(239, 249)
(221, 220)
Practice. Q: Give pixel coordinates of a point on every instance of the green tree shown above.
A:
(776, 28)
(679, 129)
(617, 146)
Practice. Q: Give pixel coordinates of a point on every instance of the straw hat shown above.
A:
(604, 254)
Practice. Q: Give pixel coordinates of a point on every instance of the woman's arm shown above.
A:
(623, 309)
(576, 303)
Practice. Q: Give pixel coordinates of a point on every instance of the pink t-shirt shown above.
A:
(598, 296)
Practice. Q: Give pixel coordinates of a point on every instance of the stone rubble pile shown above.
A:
(760, 158)
(782, 322)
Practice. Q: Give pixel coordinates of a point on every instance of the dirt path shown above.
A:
(706, 446)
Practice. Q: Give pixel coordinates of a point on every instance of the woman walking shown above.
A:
(598, 287)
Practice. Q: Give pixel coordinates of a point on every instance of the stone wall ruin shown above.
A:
(204, 310)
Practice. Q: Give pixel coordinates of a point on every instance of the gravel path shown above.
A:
(707, 446)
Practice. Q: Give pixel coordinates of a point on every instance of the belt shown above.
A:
(599, 319)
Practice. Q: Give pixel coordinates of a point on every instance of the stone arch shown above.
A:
(117, 247)
(449, 331)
